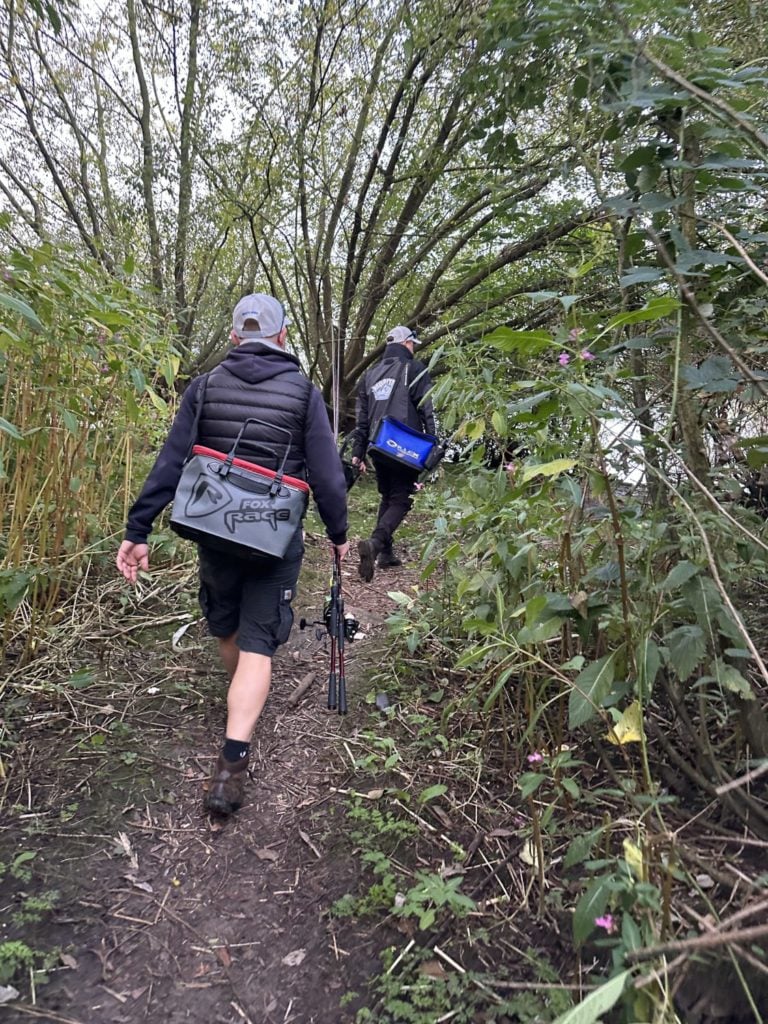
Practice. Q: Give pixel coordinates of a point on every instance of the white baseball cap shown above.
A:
(399, 335)
(264, 311)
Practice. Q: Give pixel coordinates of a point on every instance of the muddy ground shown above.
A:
(156, 911)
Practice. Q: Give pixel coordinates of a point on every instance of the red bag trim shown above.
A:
(289, 481)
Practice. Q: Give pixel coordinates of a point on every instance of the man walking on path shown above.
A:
(397, 386)
(247, 601)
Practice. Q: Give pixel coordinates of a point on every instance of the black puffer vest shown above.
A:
(280, 402)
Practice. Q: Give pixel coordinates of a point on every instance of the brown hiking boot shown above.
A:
(367, 549)
(225, 790)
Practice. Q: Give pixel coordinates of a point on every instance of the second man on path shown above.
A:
(397, 386)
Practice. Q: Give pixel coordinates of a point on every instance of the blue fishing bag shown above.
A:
(402, 444)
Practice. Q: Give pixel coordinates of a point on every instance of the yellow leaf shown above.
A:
(554, 468)
(633, 855)
(629, 728)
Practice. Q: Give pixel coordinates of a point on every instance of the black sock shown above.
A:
(233, 750)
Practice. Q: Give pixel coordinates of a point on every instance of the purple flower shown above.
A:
(607, 922)
(563, 359)
(586, 354)
(573, 334)
(535, 758)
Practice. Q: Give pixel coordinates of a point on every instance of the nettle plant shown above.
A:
(572, 586)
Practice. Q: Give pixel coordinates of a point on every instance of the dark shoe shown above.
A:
(367, 549)
(225, 790)
(388, 560)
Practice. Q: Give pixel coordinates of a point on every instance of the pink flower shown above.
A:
(563, 359)
(535, 757)
(573, 334)
(586, 354)
(607, 922)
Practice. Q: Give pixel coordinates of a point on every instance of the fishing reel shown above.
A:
(351, 624)
(351, 470)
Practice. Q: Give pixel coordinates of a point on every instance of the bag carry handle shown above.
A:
(278, 480)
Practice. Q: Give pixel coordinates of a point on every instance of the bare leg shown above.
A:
(247, 694)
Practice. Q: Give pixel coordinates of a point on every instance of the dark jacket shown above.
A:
(420, 414)
(254, 380)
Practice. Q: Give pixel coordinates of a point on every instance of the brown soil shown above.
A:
(162, 913)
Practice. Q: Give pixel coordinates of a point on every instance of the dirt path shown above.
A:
(159, 913)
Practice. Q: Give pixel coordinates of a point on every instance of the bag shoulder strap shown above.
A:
(199, 402)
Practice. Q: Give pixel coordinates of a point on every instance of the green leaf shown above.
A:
(596, 1003)
(648, 665)
(524, 405)
(679, 575)
(82, 678)
(654, 309)
(581, 848)
(25, 311)
(640, 275)
(686, 646)
(528, 343)
(571, 787)
(730, 677)
(647, 178)
(138, 378)
(541, 631)
(554, 468)
(432, 791)
(499, 422)
(529, 782)
(715, 375)
(589, 689)
(14, 584)
(643, 156)
(70, 421)
(8, 428)
(591, 904)
(630, 933)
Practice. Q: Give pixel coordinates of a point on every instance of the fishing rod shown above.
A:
(340, 626)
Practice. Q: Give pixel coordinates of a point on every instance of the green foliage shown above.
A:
(34, 908)
(419, 988)
(432, 893)
(21, 865)
(593, 1006)
(83, 362)
(15, 956)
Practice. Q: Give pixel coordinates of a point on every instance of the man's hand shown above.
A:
(132, 557)
(341, 549)
(360, 463)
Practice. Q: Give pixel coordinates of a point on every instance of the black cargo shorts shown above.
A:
(250, 598)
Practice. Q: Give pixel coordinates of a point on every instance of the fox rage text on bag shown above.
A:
(238, 506)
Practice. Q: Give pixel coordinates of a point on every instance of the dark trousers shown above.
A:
(396, 485)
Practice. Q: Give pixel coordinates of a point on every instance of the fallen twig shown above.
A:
(301, 689)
